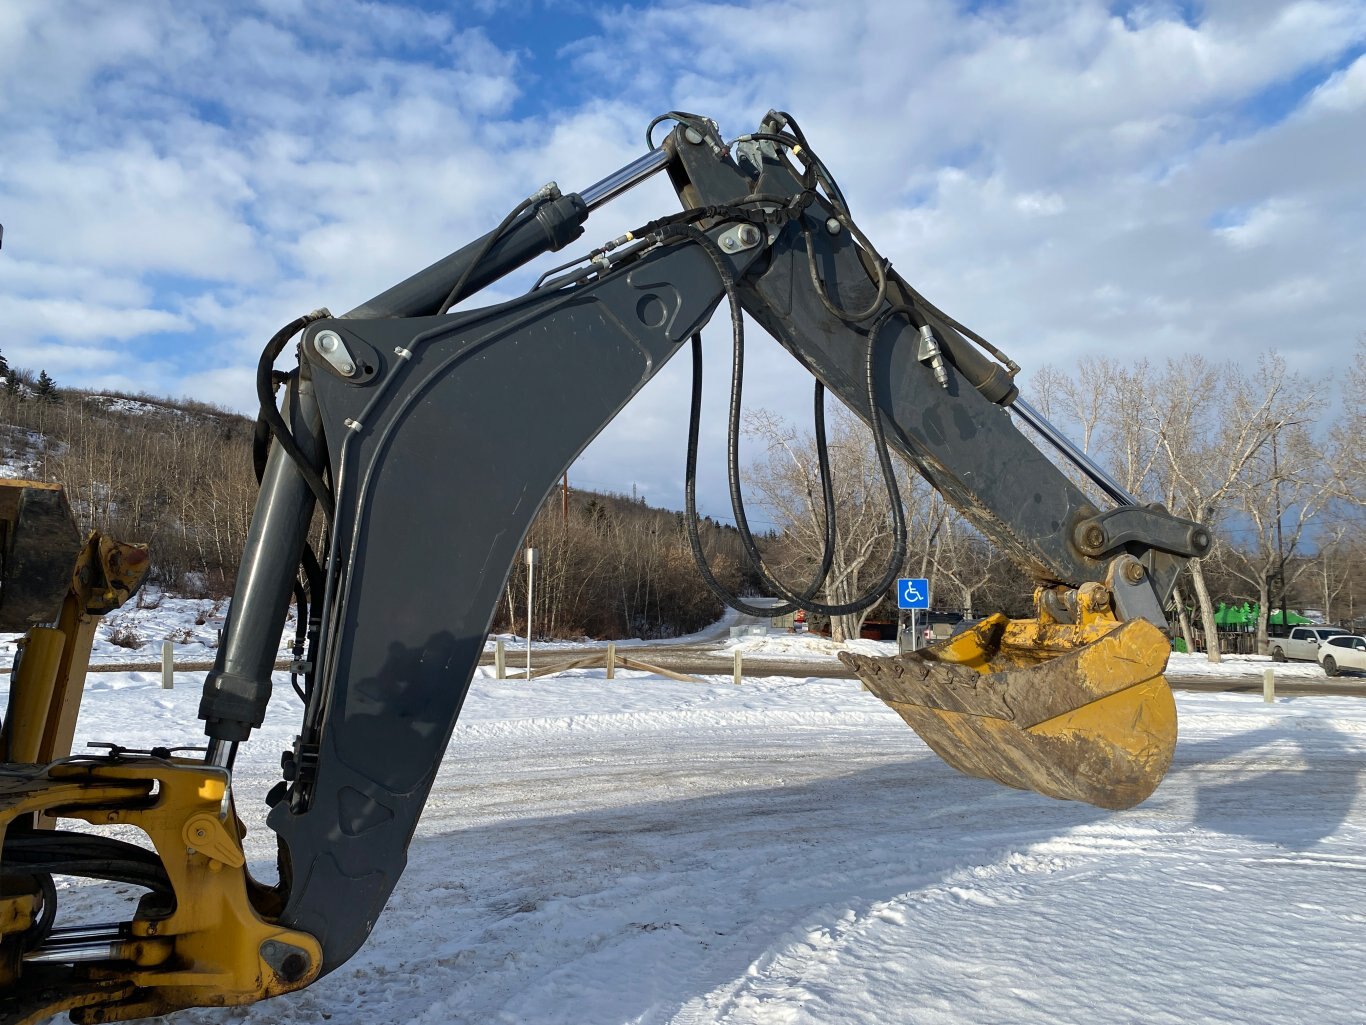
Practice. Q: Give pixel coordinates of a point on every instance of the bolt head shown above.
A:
(1133, 572)
(728, 242)
(832, 225)
(293, 967)
(1093, 596)
(328, 341)
(347, 368)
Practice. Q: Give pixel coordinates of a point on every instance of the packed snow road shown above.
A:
(645, 851)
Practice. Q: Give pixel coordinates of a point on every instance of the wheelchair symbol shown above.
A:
(913, 593)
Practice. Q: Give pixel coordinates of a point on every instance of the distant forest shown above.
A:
(178, 476)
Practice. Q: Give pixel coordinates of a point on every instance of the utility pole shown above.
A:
(1280, 545)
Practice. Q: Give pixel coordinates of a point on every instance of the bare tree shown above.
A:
(927, 517)
(787, 480)
(1347, 454)
(1336, 566)
(1193, 435)
(1291, 472)
(968, 563)
(1212, 423)
(614, 567)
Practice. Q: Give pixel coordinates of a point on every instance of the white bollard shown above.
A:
(1269, 686)
(532, 557)
(167, 665)
(500, 660)
(737, 667)
(611, 660)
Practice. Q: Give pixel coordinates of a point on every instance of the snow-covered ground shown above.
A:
(135, 632)
(717, 630)
(1182, 664)
(803, 646)
(787, 851)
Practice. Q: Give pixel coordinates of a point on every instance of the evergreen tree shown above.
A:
(4, 366)
(46, 388)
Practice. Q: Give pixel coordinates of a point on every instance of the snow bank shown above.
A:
(804, 646)
(1249, 666)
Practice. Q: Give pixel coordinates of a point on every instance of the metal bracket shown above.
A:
(1132, 587)
(1061, 608)
(739, 237)
(1151, 526)
(330, 346)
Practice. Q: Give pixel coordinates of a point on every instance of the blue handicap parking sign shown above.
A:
(913, 593)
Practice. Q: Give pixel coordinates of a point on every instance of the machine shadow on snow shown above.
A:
(904, 828)
(1304, 813)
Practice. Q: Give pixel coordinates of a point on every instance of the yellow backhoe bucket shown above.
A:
(1079, 712)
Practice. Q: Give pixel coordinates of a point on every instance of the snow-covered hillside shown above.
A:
(644, 851)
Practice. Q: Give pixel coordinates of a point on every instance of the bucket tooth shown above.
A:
(1076, 714)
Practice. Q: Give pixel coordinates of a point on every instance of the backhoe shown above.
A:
(426, 440)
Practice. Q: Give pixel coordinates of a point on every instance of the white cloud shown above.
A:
(1343, 92)
(1062, 177)
(1260, 226)
(77, 320)
(220, 387)
(132, 209)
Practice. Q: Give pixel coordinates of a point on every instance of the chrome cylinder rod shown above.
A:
(95, 950)
(238, 688)
(73, 933)
(627, 177)
(1072, 454)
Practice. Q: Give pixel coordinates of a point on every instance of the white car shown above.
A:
(1303, 644)
(1345, 651)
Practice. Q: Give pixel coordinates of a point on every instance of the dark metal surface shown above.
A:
(238, 689)
(1149, 526)
(548, 226)
(38, 544)
(453, 460)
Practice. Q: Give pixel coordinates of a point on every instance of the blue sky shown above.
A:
(1069, 177)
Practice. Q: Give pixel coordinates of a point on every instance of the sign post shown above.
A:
(532, 556)
(913, 593)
